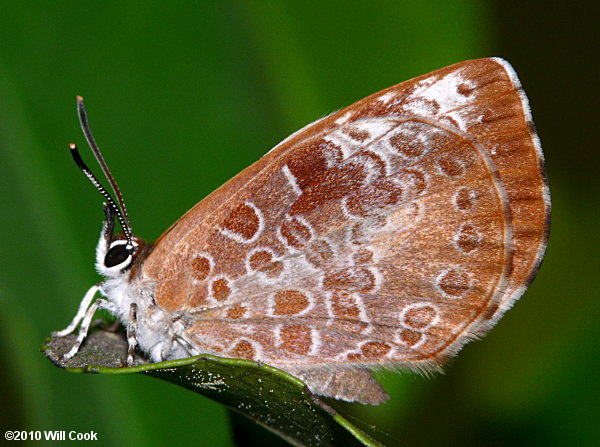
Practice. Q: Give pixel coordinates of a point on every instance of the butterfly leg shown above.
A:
(175, 345)
(131, 333)
(85, 303)
(186, 343)
(100, 303)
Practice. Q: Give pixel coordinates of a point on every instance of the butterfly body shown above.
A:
(385, 235)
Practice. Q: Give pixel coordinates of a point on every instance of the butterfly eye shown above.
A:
(120, 254)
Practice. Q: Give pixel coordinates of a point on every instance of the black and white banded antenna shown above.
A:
(120, 209)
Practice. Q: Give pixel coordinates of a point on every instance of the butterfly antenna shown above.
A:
(120, 209)
(122, 213)
(111, 202)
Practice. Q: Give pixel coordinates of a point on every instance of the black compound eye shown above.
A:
(116, 255)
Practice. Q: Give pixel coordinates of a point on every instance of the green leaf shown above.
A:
(272, 398)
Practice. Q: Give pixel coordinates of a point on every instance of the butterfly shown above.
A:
(383, 236)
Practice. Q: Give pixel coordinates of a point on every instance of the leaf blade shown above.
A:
(274, 399)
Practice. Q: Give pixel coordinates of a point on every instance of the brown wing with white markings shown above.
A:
(386, 234)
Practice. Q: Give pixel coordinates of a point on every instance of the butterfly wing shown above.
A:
(386, 234)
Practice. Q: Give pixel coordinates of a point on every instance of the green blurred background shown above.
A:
(183, 95)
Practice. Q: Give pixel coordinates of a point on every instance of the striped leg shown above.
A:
(131, 333)
(85, 303)
(100, 303)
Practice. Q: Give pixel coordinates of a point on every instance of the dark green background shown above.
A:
(183, 95)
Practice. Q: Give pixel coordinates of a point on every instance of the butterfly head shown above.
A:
(116, 254)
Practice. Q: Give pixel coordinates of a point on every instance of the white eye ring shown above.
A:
(124, 264)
